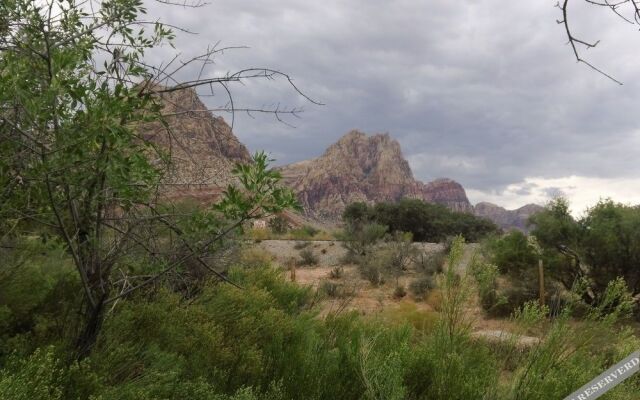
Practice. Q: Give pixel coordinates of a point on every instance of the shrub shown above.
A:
(37, 378)
(258, 234)
(304, 232)
(421, 286)
(278, 225)
(430, 263)
(399, 292)
(336, 273)
(255, 257)
(371, 267)
(329, 288)
(308, 257)
(301, 245)
(359, 239)
(435, 299)
(336, 290)
(486, 276)
(426, 221)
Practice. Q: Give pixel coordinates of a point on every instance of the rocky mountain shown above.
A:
(364, 168)
(357, 167)
(507, 219)
(203, 148)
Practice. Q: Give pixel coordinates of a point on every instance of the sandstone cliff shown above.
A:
(203, 148)
(364, 168)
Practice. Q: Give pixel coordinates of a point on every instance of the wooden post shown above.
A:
(292, 268)
(541, 276)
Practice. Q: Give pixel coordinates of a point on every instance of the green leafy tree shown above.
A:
(76, 90)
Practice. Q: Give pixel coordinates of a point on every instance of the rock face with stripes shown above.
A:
(202, 147)
(364, 168)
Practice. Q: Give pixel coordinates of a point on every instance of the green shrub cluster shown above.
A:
(267, 341)
(427, 222)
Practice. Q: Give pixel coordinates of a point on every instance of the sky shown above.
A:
(484, 92)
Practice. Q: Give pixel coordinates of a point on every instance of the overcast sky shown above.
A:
(485, 92)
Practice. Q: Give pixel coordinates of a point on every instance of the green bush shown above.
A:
(308, 257)
(421, 286)
(427, 222)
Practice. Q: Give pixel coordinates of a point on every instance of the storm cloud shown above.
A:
(485, 92)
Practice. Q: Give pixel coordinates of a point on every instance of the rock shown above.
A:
(203, 147)
(364, 168)
(507, 219)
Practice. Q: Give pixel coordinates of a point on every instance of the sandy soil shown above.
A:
(367, 299)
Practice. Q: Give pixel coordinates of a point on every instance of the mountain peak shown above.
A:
(369, 168)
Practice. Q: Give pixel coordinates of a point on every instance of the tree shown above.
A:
(627, 10)
(601, 246)
(76, 90)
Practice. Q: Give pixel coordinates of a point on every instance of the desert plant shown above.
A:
(336, 272)
(301, 245)
(308, 257)
(421, 286)
(430, 262)
(399, 292)
(486, 275)
(278, 225)
(360, 239)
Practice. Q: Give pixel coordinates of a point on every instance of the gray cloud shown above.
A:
(486, 93)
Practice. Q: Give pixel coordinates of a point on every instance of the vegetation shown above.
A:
(106, 292)
(602, 245)
(425, 221)
(278, 225)
(308, 257)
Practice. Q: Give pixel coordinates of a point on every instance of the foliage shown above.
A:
(278, 224)
(602, 245)
(301, 245)
(76, 93)
(308, 257)
(359, 239)
(430, 262)
(399, 292)
(491, 300)
(427, 222)
(421, 286)
(511, 253)
(157, 344)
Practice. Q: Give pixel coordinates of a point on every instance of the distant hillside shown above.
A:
(507, 219)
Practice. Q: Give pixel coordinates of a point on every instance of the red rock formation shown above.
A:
(203, 148)
(364, 168)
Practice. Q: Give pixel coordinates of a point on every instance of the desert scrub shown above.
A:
(308, 257)
(421, 286)
(301, 245)
(399, 292)
(336, 273)
(254, 257)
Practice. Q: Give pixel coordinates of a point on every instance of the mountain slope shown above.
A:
(507, 219)
(364, 168)
(203, 148)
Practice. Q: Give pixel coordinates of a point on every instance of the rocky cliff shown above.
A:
(507, 219)
(203, 148)
(364, 168)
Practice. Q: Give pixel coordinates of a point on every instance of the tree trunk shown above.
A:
(92, 325)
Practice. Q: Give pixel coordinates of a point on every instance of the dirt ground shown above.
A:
(364, 297)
